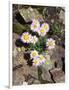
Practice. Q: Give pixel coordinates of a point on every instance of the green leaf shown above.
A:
(56, 28)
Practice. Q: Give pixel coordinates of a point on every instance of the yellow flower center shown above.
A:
(34, 54)
(36, 62)
(45, 26)
(42, 30)
(41, 57)
(50, 43)
(26, 37)
(35, 26)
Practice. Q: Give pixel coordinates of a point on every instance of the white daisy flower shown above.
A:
(42, 32)
(50, 43)
(26, 37)
(35, 25)
(34, 39)
(36, 62)
(39, 60)
(42, 59)
(34, 54)
(45, 26)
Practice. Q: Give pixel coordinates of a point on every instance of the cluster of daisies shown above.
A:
(42, 30)
(38, 59)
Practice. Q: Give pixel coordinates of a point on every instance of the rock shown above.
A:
(62, 16)
(29, 73)
(15, 37)
(17, 52)
(45, 69)
(46, 76)
(48, 64)
(14, 48)
(34, 72)
(29, 14)
(19, 59)
(19, 28)
(58, 75)
(53, 60)
(36, 82)
(14, 52)
(56, 56)
(18, 77)
(30, 81)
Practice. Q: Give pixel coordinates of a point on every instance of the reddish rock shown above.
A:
(58, 75)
